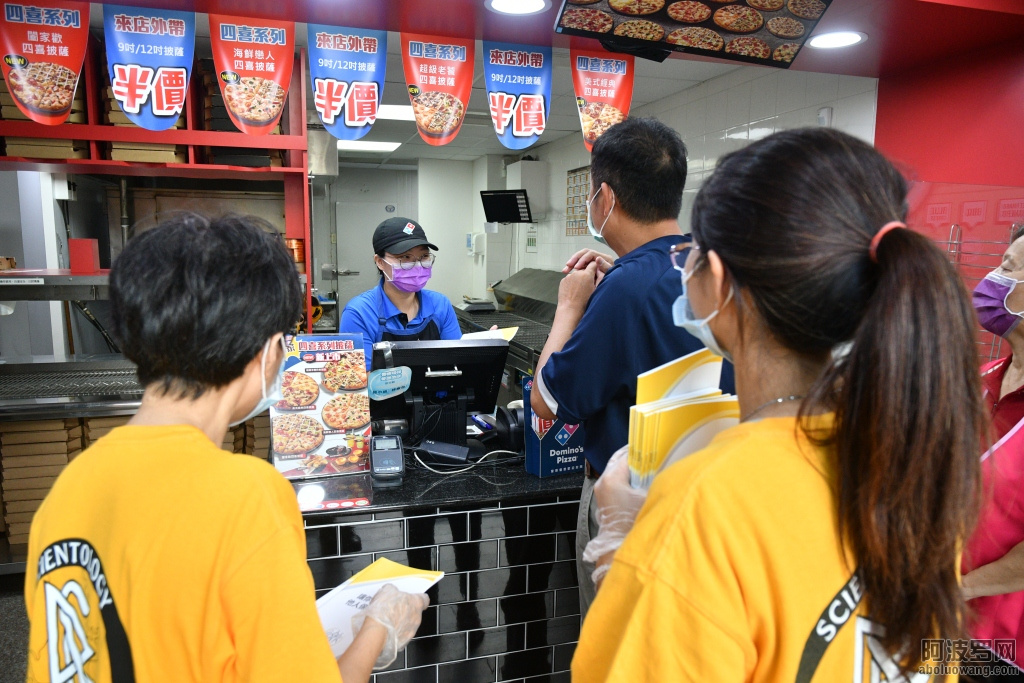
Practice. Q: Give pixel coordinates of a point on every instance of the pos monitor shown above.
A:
(449, 380)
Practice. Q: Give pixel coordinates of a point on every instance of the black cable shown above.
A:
(84, 310)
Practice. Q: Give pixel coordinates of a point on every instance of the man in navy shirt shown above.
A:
(614, 321)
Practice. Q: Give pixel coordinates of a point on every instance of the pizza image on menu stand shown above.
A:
(321, 427)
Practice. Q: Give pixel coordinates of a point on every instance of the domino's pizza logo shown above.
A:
(409, 229)
(565, 433)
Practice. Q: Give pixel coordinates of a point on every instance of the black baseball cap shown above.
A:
(398, 235)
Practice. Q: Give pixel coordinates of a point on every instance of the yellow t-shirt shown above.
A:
(159, 551)
(733, 572)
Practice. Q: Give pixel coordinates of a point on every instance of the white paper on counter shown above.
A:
(337, 608)
(505, 333)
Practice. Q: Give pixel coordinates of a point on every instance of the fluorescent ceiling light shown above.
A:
(396, 112)
(837, 39)
(517, 7)
(365, 146)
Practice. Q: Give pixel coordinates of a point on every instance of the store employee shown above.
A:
(399, 308)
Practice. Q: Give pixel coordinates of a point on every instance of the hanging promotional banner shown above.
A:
(439, 74)
(253, 58)
(518, 91)
(149, 61)
(347, 68)
(604, 89)
(43, 49)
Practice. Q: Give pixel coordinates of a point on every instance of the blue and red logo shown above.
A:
(565, 433)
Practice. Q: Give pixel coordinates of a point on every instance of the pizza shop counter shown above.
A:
(508, 605)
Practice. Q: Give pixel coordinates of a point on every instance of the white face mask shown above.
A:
(597, 234)
(273, 394)
(684, 317)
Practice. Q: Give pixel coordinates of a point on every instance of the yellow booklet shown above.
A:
(679, 411)
(337, 608)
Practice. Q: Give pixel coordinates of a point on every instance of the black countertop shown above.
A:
(424, 489)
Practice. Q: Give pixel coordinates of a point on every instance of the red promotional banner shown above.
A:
(254, 60)
(604, 89)
(43, 50)
(439, 73)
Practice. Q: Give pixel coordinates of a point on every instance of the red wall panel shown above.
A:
(960, 120)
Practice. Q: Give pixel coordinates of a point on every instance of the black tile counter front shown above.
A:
(508, 606)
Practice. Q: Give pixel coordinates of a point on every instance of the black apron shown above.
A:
(425, 331)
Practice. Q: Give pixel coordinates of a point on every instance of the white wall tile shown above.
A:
(855, 85)
(792, 91)
(821, 88)
(715, 115)
(738, 107)
(763, 93)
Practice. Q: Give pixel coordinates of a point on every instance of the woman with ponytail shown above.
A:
(818, 540)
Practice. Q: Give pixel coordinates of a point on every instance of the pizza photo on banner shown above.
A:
(253, 58)
(347, 68)
(43, 50)
(603, 82)
(766, 32)
(439, 74)
(149, 61)
(518, 91)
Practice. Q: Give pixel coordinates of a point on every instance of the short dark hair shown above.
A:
(195, 300)
(644, 162)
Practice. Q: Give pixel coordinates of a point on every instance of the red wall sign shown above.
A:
(253, 58)
(439, 74)
(604, 90)
(43, 49)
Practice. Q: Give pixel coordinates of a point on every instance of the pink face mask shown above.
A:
(412, 280)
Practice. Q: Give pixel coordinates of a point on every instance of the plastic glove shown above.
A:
(399, 613)
(618, 504)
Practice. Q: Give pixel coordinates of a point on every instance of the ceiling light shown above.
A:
(365, 146)
(517, 7)
(837, 39)
(396, 112)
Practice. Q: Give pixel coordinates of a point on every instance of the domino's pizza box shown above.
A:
(552, 446)
(321, 427)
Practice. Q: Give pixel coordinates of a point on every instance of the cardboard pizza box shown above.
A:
(148, 146)
(32, 483)
(38, 425)
(17, 540)
(3, 526)
(13, 518)
(65, 435)
(37, 449)
(118, 118)
(36, 152)
(17, 473)
(13, 495)
(148, 157)
(116, 421)
(13, 462)
(22, 505)
(47, 142)
(20, 529)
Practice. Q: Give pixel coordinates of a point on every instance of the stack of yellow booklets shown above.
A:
(679, 410)
(339, 606)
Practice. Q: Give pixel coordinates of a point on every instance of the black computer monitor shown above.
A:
(506, 206)
(449, 380)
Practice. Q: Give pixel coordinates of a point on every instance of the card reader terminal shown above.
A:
(387, 461)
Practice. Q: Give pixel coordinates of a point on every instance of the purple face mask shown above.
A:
(412, 280)
(989, 300)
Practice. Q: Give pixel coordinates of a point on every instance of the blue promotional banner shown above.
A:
(518, 91)
(149, 61)
(347, 68)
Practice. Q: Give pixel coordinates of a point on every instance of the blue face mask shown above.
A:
(273, 394)
(684, 317)
(590, 224)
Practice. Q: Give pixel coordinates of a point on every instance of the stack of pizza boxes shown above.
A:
(234, 440)
(32, 455)
(98, 427)
(43, 148)
(257, 436)
(322, 427)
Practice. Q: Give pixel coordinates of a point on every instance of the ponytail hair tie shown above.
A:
(877, 239)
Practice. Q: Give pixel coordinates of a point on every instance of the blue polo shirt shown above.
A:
(626, 330)
(363, 314)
